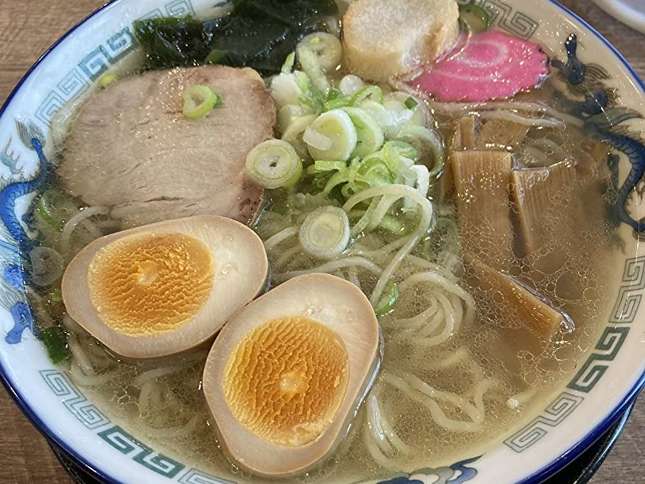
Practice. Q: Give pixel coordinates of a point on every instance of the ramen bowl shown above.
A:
(606, 382)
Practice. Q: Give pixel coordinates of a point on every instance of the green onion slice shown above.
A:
(390, 223)
(380, 114)
(199, 100)
(289, 62)
(370, 135)
(106, 79)
(375, 171)
(388, 300)
(410, 103)
(400, 157)
(322, 166)
(336, 99)
(288, 114)
(54, 208)
(326, 47)
(429, 146)
(274, 164)
(332, 136)
(350, 84)
(373, 93)
(294, 133)
(325, 232)
(318, 54)
(476, 17)
(311, 65)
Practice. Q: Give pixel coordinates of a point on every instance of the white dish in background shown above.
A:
(630, 12)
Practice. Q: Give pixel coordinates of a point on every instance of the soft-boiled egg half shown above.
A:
(164, 288)
(287, 374)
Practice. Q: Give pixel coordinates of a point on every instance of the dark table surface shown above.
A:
(27, 28)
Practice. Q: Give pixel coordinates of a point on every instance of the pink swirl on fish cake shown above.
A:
(491, 65)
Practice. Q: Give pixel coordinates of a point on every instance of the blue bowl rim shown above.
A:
(550, 469)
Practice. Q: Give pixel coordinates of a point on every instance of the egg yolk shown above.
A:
(286, 379)
(150, 283)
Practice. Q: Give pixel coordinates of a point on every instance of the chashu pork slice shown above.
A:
(131, 148)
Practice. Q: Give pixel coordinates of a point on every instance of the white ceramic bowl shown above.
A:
(630, 12)
(607, 381)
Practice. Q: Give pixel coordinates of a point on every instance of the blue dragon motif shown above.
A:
(635, 151)
(33, 138)
(602, 121)
(9, 159)
(14, 273)
(457, 473)
(23, 319)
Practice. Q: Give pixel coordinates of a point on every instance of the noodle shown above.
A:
(448, 330)
(438, 415)
(333, 266)
(280, 237)
(364, 222)
(436, 268)
(463, 108)
(151, 375)
(149, 396)
(93, 380)
(425, 206)
(77, 219)
(446, 285)
(379, 253)
(516, 118)
(383, 206)
(352, 276)
(469, 409)
(376, 453)
(176, 432)
(417, 321)
(380, 438)
(80, 356)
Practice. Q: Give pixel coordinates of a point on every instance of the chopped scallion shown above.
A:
(54, 208)
(310, 63)
(325, 232)
(350, 84)
(317, 140)
(336, 99)
(289, 62)
(429, 145)
(106, 79)
(274, 164)
(411, 103)
(390, 223)
(370, 135)
(475, 17)
(332, 136)
(325, 47)
(388, 300)
(373, 93)
(199, 100)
